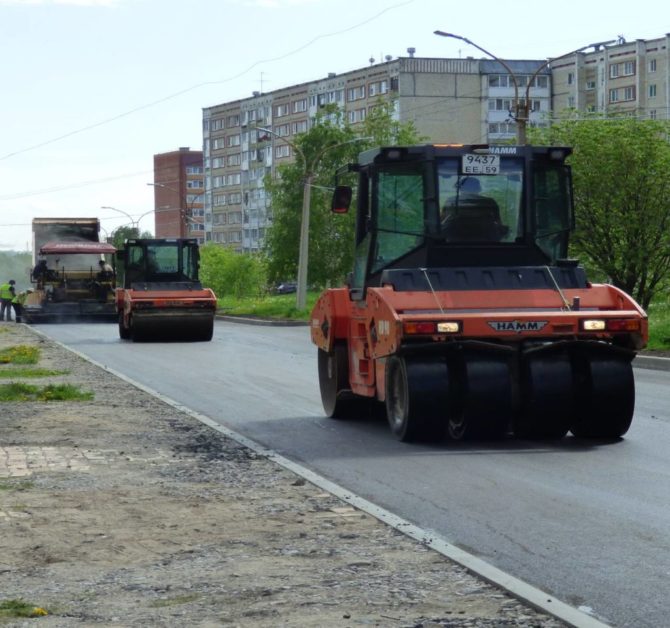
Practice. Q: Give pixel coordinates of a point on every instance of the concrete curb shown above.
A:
(651, 362)
(242, 320)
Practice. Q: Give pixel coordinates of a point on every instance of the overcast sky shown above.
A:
(92, 89)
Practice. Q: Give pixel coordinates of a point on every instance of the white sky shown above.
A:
(92, 89)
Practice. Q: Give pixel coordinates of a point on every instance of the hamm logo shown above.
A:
(517, 326)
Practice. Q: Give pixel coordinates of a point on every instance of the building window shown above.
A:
(498, 80)
(193, 169)
(590, 84)
(233, 121)
(614, 71)
(394, 84)
(652, 90)
(218, 142)
(629, 68)
(571, 102)
(233, 140)
(652, 65)
(652, 114)
(622, 94)
(282, 151)
(300, 105)
(500, 104)
(542, 82)
(282, 110)
(571, 78)
(299, 127)
(356, 93)
(195, 184)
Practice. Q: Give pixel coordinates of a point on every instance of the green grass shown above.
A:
(20, 608)
(28, 373)
(16, 486)
(280, 306)
(18, 391)
(659, 325)
(19, 354)
(175, 601)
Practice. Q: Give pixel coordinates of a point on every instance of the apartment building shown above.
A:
(616, 77)
(449, 100)
(179, 193)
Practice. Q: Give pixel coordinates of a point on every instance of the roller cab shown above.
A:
(162, 297)
(463, 315)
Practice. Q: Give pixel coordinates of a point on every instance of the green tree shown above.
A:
(228, 272)
(621, 175)
(120, 235)
(327, 146)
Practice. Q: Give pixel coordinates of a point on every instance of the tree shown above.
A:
(127, 232)
(331, 238)
(227, 272)
(621, 176)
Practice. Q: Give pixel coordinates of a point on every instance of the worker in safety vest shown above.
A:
(17, 304)
(7, 294)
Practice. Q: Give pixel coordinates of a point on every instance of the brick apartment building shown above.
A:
(179, 194)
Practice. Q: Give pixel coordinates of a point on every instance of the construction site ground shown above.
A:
(123, 511)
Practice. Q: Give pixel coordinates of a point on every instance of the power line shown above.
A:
(205, 83)
(80, 184)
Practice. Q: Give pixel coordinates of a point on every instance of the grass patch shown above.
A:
(19, 354)
(16, 486)
(19, 608)
(175, 601)
(18, 391)
(659, 325)
(28, 373)
(280, 306)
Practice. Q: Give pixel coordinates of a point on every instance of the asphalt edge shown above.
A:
(534, 597)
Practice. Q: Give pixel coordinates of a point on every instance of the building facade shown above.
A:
(617, 77)
(179, 194)
(448, 100)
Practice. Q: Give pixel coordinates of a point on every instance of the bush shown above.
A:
(230, 273)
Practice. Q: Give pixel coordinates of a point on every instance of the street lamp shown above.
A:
(120, 212)
(521, 109)
(309, 175)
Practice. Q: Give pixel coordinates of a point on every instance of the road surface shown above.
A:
(586, 522)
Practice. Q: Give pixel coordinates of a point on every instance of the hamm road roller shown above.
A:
(464, 315)
(161, 297)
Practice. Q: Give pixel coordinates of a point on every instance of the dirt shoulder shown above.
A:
(124, 511)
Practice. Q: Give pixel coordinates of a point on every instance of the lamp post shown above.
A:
(521, 109)
(120, 212)
(308, 178)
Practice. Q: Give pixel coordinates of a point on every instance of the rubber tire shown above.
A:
(485, 407)
(547, 396)
(336, 396)
(605, 395)
(417, 398)
(124, 333)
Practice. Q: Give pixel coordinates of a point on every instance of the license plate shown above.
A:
(480, 164)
